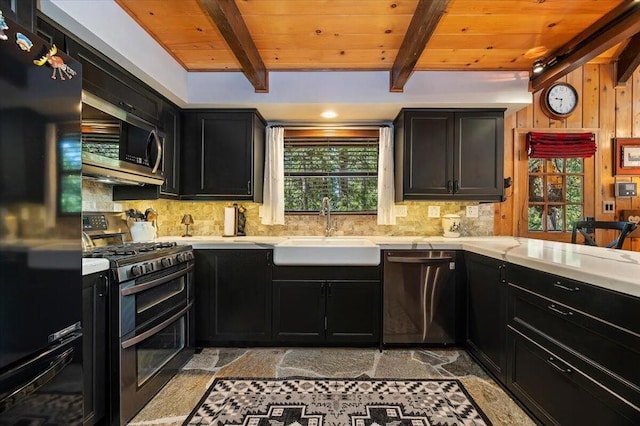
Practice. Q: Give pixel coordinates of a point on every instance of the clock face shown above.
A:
(561, 99)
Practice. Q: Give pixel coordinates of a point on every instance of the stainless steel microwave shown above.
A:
(117, 146)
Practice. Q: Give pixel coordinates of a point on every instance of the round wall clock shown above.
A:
(559, 100)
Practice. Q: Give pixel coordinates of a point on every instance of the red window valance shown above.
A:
(560, 145)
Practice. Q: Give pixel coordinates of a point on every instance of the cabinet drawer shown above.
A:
(605, 304)
(609, 354)
(558, 393)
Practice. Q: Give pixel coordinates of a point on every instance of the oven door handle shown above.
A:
(146, 286)
(143, 336)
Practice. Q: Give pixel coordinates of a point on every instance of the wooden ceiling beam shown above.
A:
(423, 24)
(618, 25)
(628, 61)
(227, 17)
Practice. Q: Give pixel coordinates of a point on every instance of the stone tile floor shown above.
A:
(176, 400)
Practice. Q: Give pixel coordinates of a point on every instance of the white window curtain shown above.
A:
(386, 189)
(273, 195)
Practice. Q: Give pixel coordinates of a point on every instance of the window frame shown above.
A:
(521, 191)
(322, 137)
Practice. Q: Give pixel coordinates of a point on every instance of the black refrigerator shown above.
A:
(40, 232)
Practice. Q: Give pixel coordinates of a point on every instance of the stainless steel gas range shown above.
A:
(151, 326)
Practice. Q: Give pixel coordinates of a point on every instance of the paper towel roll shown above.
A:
(229, 222)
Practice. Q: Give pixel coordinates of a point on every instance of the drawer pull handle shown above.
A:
(564, 287)
(566, 370)
(554, 309)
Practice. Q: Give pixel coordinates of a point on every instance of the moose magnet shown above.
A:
(57, 63)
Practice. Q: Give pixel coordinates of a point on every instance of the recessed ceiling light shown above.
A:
(329, 114)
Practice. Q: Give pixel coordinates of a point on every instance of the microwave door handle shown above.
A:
(153, 137)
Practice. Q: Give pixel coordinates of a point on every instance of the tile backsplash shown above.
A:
(208, 217)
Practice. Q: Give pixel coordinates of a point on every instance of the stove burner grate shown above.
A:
(130, 249)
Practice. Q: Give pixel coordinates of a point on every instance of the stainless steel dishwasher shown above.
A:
(419, 297)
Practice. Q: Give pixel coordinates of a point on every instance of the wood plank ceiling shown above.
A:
(258, 36)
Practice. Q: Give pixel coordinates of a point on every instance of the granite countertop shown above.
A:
(616, 270)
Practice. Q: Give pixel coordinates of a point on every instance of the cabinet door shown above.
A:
(108, 81)
(428, 154)
(94, 345)
(222, 155)
(50, 32)
(486, 312)
(299, 311)
(353, 311)
(171, 151)
(233, 296)
(21, 11)
(227, 154)
(478, 168)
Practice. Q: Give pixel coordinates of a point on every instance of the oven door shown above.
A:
(150, 356)
(147, 298)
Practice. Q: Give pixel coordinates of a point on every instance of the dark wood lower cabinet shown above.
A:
(486, 312)
(353, 311)
(233, 296)
(559, 393)
(326, 311)
(298, 311)
(314, 305)
(94, 344)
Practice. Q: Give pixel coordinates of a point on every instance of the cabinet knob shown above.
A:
(450, 186)
(249, 187)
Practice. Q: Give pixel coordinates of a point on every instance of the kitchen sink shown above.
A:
(326, 251)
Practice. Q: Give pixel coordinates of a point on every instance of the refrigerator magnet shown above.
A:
(57, 63)
(24, 42)
(3, 26)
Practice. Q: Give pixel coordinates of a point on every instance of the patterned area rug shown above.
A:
(333, 402)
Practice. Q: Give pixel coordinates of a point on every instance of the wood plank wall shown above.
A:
(614, 111)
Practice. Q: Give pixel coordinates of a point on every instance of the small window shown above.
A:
(556, 194)
(343, 169)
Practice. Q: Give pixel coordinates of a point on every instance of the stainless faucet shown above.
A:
(325, 210)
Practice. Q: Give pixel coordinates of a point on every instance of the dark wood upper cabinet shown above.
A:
(223, 155)
(21, 11)
(108, 81)
(445, 154)
(170, 122)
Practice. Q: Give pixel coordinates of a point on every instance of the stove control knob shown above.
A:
(166, 262)
(180, 257)
(148, 267)
(137, 270)
(190, 255)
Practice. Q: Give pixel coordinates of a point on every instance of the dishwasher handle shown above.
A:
(421, 260)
